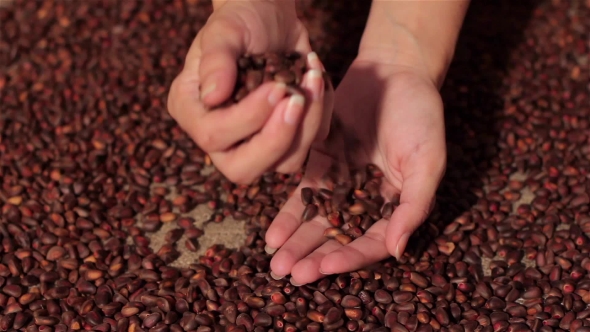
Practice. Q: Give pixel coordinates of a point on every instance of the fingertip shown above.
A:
(207, 88)
(216, 87)
(402, 223)
(392, 248)
(305, 271)
(272, 239)
(281, 263)
(314, 62)
(314, 84)
(218, 72)
(285, 223)
(294, 110)
(400, 247)
(332, 262)
(276, 94)
(392, 232)
(276, 276)
(270, 249)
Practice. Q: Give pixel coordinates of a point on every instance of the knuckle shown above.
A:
(228, 173)
(277, 147)
(219, 27)
(376, 237)
(170, 105)
(251, 117)
(216, 24)
(279, 140)
(205, 139)
(237, 177)
(287, 168)
(291, 165)
(233, 174)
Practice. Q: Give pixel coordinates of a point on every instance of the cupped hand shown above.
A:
(266, 130)
(394, 115)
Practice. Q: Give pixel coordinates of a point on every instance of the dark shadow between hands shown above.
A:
(337, 39)
(473, 94)
(473, 97)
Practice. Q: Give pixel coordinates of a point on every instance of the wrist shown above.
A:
(403, 53)
(414, 35)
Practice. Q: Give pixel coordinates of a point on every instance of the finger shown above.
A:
(285, 223)
(308, 237)
(302, 44)
(254, 157)
(289, 217)
(416, 200)
(187, 83)
(294, 158)
(193, 57)
(183, 97)
(313, 85)
(328, 109)
(222, 43)
(308, 269)
(218, 130)
(327, 97)
(366, 250)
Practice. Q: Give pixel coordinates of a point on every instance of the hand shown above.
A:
(264, 131)
(395, 114)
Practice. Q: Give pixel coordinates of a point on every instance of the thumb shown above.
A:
(416, 200)
(222, 43)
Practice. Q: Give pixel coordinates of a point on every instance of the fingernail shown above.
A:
(401, 244)
(313, 82)
(294, 109)
(324, 273)
(294, 283)
(207, 90)
(275, 276)
(313, 60)
(277, 93)
(270, 250)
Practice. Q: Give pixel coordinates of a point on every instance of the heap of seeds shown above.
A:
(255, 70)
(84, 138)
(351, 207)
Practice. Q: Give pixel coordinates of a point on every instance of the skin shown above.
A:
(275, 138)
(401, 129)
(388, 104)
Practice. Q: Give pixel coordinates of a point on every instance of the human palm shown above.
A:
(392, 117)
